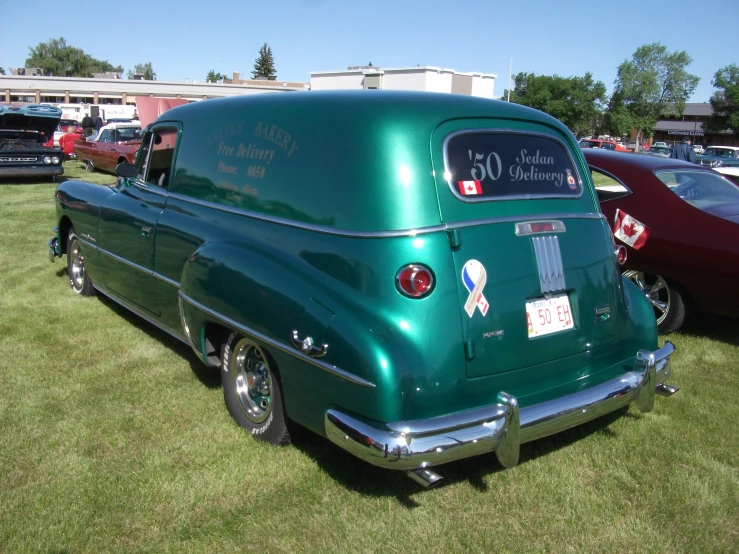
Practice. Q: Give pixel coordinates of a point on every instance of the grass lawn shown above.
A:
(114, 438)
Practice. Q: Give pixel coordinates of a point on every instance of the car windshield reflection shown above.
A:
(701, 189)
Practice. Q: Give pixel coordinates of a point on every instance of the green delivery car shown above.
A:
(418, 277)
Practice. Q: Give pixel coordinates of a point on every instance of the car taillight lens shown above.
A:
(415, 280)
(621, 256)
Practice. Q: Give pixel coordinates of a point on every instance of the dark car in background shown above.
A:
(680, 223)
(26, 134)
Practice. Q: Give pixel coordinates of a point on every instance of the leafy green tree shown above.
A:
(2, 71)
(214, 77)
(57, 58)
(264, 65)
(575, 101)
(144, 68)
(654, 83)
(725, 101)
(616, 118)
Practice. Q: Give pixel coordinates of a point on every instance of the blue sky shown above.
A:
(184, 40)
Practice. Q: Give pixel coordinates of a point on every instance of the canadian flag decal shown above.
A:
(629, 230)
(468, 188)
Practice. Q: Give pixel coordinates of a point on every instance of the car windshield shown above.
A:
(589, 144)
(702, 189)
(720, 152)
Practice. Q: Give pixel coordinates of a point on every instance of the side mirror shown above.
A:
(126, 170)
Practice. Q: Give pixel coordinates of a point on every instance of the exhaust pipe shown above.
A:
(425, 477)
(666, 390)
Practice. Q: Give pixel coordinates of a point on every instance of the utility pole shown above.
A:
(510, 72)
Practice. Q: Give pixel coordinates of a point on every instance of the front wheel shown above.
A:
(78, 279)
(89, 167)
(251, 390)
(667, 299)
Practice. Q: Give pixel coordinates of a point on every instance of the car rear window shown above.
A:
(702, 189)
(494, 165)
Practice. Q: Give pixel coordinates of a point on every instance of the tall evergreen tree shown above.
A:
(264, 65)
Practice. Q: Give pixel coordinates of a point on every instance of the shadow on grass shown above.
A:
(208, 376)
(370, 480)
(715, 327)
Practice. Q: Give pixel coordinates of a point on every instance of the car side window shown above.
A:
(607, 187)
(157, 156)
(106, 136)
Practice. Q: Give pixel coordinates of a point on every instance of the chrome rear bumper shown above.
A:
(500, 427)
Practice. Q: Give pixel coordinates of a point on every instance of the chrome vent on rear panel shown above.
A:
(549, 262)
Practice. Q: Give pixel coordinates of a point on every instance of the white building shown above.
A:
(37, 89)
(431, 79)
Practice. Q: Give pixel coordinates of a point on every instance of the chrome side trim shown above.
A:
(499, 427)
(526, 218)
(338, 372)
(377, 234)
(549, 262)
(135, 266)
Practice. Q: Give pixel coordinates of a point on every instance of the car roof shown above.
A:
(721, 146)
(609, 159)
(122, 125)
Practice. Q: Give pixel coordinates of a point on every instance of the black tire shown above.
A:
(668, 299)
(251, 389)
(78, 279)
(675, 316)
(89, 167)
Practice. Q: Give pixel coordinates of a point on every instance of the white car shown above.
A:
(663, 144)
(698, 148)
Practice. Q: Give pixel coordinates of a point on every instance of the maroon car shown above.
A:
(680, 225)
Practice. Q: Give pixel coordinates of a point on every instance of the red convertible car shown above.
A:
(680, 225)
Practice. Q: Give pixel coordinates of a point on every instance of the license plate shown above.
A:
(548, 315)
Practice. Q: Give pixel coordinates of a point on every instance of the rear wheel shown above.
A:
(78, 279)
(667, 299)
(252, 391)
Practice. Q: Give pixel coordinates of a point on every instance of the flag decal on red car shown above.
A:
(629, 230)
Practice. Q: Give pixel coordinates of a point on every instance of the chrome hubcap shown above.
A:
(77, 275)
(253, 381)
(655, 289)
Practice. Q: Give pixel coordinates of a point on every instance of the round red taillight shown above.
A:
(415, 280)
(620, 254)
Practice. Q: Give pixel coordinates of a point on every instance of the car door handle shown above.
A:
(146, 231)
(306, 346)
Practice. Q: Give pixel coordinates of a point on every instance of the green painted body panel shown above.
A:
(295, 212)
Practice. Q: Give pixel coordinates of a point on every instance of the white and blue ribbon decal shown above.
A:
(474, 278)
